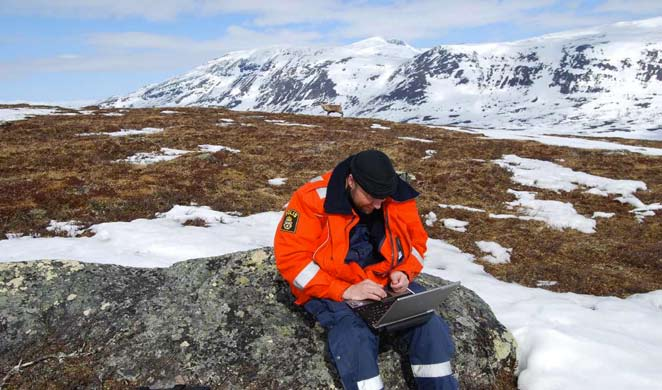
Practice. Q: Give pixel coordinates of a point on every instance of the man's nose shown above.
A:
(377, 203)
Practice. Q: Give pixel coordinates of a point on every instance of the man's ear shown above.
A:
(350, 181)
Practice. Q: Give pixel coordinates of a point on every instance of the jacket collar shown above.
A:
(337, 201)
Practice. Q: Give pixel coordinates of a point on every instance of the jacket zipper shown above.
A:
(348, 230)
(328, 238)
(401, 252)
(388, 231)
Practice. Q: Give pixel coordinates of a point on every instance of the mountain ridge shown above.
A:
(606, 80)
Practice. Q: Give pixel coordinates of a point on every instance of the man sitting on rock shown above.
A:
(348, 235)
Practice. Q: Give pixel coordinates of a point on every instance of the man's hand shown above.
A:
(366, 289)
(399, 281)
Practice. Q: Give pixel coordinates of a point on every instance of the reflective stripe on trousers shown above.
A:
(374, 383)
(431, 370)
(354, 347)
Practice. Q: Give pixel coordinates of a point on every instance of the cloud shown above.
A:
(352, 19)
(413, 20)
(138, 40)
(139, 51)
(631, 6)
(66, 56)
(235, 38)
(101, 9)
(244, 38)
(558, 21)
(360, 19)
(283, 12)
(81, 63)
(409, 20)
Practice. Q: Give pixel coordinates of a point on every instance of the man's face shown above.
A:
(362, 200)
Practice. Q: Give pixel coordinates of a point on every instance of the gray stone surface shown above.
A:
(227, 322)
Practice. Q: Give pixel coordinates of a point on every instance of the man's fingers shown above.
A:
(366, 289)
(371, 283)
(377, 296)
(377, 292)
(375, 289)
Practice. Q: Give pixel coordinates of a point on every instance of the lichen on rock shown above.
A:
(225, 322)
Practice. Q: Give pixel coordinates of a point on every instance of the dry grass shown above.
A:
(48, 172)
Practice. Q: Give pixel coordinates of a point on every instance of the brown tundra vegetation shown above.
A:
(48, 171)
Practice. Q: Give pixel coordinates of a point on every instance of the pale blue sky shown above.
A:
(66, 50)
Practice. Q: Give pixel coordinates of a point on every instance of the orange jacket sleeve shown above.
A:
(298, 235)
(413, 264)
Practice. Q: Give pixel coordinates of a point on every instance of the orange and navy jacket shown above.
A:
(312, 239)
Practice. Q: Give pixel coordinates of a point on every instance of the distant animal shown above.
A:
(329, 108)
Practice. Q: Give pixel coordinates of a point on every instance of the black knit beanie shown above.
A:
(374, 172)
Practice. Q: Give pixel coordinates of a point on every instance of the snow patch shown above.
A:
(16, 114)
(430, 219)
(455, 224)
(460, 207)
(278, 181)
(280, 122)
(70, 228)
(427, 141)
(183, 214)
(429, 154)
(126, 132)
(144, 158)
(558, 215)
(551, 176)
(217, 148)
(497, 253)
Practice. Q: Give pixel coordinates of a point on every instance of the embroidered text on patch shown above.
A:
(290, 221)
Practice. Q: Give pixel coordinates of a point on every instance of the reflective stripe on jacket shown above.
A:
(312, 239)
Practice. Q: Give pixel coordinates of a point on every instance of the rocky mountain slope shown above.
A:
(592, 81)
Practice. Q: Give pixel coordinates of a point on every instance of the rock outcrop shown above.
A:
(226, 322)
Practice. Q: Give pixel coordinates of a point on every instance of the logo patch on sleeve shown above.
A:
(290, 221)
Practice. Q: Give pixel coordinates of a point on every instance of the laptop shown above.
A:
(400, 311)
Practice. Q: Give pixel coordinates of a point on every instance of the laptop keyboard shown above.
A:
(375, 311)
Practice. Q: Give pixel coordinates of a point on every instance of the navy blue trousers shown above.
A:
(354, 347)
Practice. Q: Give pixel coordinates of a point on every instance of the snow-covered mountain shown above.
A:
(282, 79)
(600, 81)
